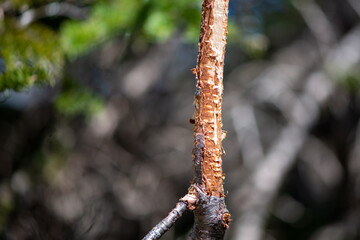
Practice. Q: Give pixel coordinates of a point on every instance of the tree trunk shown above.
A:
(211, 215)
(206, 195)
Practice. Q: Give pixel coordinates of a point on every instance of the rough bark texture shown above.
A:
(208, 98)
(206, 195)
(211, 215)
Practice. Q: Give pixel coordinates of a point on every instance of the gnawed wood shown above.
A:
(208, 101)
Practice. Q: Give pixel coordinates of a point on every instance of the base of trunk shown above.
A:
(211, 217)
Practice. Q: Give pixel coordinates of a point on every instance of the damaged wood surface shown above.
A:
(208, 100)
(206, 195)
(211, 215)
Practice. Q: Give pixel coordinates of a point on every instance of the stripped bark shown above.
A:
(211, 215)
(208, 98)
(206, 195)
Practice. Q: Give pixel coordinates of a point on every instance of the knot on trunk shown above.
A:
(210, 217)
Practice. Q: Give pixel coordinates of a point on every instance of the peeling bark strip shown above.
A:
(209, 74)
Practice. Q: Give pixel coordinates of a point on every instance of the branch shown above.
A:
(163, 226)
(355, 5)
(52, 10)
(248, 134)
(317, 22)
(267, 178)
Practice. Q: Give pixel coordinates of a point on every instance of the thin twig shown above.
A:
(317, 22)
(165, 224)
(247, 133)
(355, 5)
(54, 9)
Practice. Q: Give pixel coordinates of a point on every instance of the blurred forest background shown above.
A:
(95, 98)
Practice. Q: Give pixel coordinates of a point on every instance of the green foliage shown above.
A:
(78, 101)
(167, 14)
(35, 55)
(159, 26)
(29, 56)
(105, 21)
(156, 20)
(351, 80)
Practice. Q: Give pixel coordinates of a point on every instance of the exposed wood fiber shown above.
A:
(209, 74)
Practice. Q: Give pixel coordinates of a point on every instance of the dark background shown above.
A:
(104, 152)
